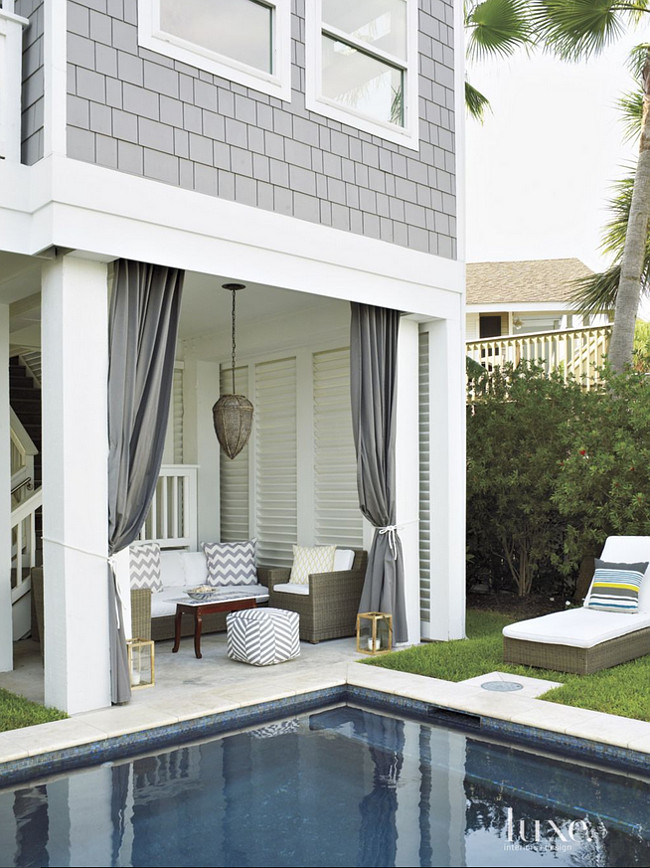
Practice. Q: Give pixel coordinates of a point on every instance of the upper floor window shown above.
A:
(247, 41)
(361, 65)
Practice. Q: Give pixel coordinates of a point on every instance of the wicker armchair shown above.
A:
(330, 609)
(141, 613)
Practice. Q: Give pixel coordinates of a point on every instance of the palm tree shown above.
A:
(494, 28)
(576, 29)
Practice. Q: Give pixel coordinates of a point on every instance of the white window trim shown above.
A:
(409, 134)
(277, 84)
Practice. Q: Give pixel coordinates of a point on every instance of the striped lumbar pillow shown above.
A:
(615, 587)
(144, 566)
(231, 563)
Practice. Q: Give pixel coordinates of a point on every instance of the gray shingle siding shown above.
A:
(174, 123)
(32, 143)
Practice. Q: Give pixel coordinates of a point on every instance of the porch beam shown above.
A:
(75, 511)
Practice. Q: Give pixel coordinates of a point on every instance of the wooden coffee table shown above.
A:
(198, 610)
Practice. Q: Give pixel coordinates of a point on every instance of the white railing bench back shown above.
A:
(24, 544)
(172, 520)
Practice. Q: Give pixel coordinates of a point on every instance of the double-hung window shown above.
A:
(361, 65)
(247, 41)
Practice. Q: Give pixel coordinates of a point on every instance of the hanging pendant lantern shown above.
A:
(233, 414)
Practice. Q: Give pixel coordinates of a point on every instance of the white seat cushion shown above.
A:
(579, 628)
(292, 588)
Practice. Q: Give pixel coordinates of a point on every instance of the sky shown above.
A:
(539, 170)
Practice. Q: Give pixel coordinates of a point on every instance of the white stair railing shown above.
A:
(23, 544)
(172, 520)
(575, 352)
(23, 451)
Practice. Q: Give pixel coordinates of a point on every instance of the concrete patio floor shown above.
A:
(187, 688)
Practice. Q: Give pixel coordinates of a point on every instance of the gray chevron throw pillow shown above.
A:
(144, 569)
(231, 563)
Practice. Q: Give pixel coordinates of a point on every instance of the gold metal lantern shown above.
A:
(233, 414)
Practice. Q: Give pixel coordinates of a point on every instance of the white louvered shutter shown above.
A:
(177, 411)
(425, 493)
(337, 517)
(276, 461)
(234, 472)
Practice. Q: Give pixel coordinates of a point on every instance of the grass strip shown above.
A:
(17, 712)
(621, 690)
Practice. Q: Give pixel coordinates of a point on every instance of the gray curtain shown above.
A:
(373, 370)
(145, 310)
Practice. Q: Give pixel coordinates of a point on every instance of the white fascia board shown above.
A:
(523, 307)
(110, 214)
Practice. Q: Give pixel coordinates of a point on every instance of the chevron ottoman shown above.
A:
(263, 636)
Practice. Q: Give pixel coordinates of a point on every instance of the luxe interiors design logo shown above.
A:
(527, 833)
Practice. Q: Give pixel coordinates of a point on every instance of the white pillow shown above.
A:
(195, 569)
(308, 560)
(172, 573)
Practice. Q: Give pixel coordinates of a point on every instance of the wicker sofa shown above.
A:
(329, 610)
(153, 614)
(582, 640)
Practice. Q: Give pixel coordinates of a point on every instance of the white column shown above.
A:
(447, 478)
(75, 515)
(407, 469)
(6, 628)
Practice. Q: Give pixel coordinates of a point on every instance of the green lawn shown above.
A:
(17, 712)
(622, 690)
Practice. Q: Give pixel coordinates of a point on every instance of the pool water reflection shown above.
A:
(340, 787)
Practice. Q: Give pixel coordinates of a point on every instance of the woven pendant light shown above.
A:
(233, 414)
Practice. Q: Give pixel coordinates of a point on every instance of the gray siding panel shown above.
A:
(32, 142)
(173, 123)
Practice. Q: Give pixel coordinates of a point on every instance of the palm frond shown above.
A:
(497, 28)
(576, 29)
(597, 292)
(637, 59)
(630, 106)
(619, 206)
(476, 103)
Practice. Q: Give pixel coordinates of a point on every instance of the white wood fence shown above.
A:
(578, 353)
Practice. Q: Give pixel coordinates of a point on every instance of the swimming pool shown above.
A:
(343, 786)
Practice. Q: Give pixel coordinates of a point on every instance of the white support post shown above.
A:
(207, 451)
(75, 514)
(447, 478)
(407, 470)
(6, 628)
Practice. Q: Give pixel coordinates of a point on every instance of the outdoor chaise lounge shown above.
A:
(585, 640)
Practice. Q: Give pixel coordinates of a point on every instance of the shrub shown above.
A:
(517, 435)
(603, 484)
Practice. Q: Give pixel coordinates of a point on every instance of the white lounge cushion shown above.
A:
(292, 588)
(164, 602)
(195, 568)
(579, 628)
(343, 560)
(172, 570)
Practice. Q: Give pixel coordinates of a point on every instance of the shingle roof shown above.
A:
(523, 281)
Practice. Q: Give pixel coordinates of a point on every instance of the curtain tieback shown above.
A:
(391, 531)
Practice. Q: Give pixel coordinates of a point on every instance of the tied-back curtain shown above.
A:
(145, 310)
(373, 371)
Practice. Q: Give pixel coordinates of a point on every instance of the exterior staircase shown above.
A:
(25, 401)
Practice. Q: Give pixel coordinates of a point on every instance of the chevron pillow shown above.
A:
(308, 560)
(231, 563)
(144, 567)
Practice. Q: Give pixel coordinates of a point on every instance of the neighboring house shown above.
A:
(524, 310)
(523, 297)
(315, 160)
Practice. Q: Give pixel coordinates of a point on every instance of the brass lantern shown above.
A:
(233, 414)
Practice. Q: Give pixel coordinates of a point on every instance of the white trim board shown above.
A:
(108, 214)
